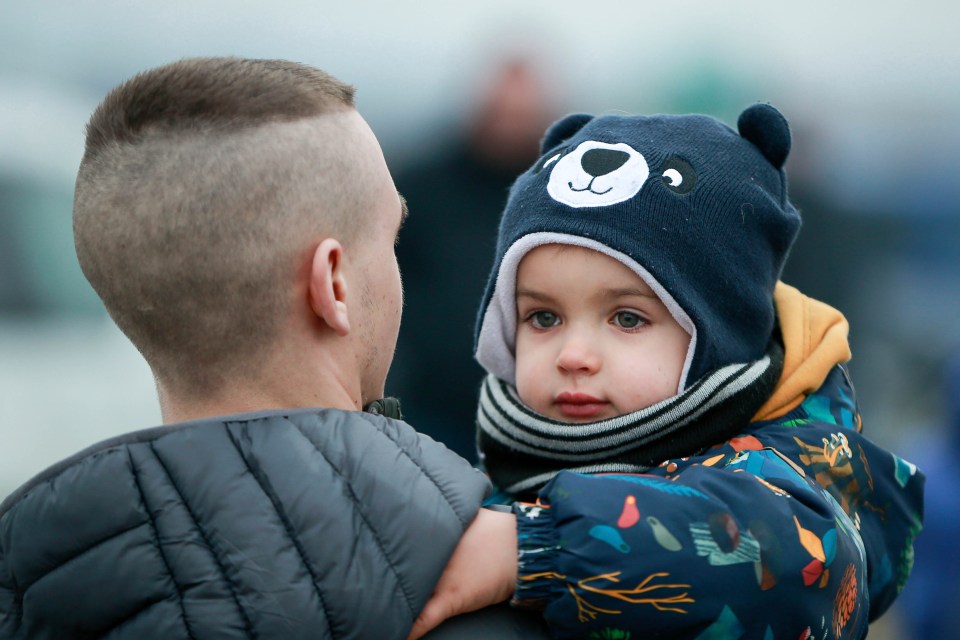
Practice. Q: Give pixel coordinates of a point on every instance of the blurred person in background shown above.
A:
(16, 297)
(928, 605)
(456, 194)
(237, 219)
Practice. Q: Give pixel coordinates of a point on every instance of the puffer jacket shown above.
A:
(282, 524)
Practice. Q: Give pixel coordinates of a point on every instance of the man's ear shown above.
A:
(328, 288)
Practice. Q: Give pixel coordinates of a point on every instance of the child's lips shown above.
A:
(579, 405)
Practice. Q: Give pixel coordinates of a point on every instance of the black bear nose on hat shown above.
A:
(600, 162)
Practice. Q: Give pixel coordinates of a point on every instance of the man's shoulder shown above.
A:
(311, 418)
(334, 433)
(283, 502)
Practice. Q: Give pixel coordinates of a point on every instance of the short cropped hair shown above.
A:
(195, 198)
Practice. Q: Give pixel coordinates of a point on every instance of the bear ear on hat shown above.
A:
(563, 129)
(768, 130)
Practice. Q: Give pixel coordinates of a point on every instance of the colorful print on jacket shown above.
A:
(798, 528)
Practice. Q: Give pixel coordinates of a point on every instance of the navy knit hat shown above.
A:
(696, 209)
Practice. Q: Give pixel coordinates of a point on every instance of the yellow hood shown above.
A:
(815, 340)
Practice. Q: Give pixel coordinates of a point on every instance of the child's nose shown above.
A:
(577, 355)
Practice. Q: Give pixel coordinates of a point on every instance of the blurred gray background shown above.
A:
(872, 91)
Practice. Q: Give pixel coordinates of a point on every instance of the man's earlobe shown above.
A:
(328, 288)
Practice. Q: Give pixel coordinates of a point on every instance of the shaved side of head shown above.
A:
(203, 184)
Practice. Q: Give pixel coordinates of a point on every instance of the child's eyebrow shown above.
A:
(536, 295)
(602, 294)
(626, 293)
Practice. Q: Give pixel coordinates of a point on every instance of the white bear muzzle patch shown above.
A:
(597, 174)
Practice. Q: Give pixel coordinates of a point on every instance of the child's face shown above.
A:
(593, 340)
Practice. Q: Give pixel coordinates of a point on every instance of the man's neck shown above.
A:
(275, 388)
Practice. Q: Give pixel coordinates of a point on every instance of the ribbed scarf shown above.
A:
(522, 450)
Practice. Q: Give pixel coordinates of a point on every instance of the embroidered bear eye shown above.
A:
(678, 175)
(546, 161)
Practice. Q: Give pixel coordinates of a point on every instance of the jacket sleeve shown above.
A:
(797, 528)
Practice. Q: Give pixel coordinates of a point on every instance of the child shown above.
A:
(634, 327)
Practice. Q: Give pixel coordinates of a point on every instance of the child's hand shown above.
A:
(482, 571)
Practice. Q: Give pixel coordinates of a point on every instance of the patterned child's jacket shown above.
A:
(800, 527)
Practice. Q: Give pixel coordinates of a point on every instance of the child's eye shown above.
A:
(628, 319)
(544, 319)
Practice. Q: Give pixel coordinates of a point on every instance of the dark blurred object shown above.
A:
(929, 603)
(455, 197)
(39, 274)
(16, 296)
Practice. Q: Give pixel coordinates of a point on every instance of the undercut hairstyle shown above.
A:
(202, 185)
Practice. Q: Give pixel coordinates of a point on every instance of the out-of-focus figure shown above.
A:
(17, 297)
(455, 196)
(928, 606)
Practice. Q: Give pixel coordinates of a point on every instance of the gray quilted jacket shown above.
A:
(275, 525)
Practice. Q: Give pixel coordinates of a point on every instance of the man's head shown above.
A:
(695, 209)
(204, 198)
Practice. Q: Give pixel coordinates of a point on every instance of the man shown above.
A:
(237, 219)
